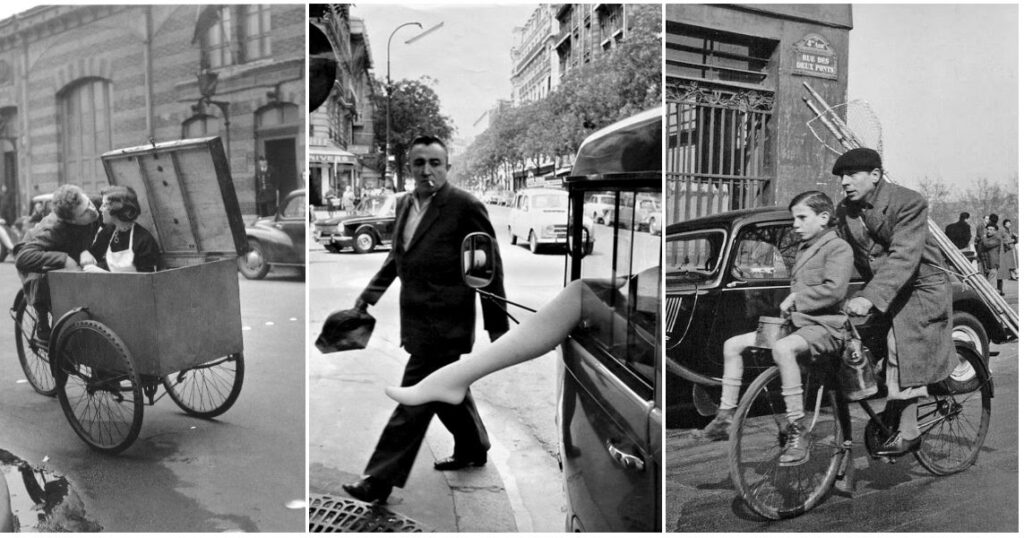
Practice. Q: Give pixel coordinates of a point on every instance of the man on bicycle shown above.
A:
(887, 226)
(57, 242)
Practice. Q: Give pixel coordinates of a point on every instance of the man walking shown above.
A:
(437, 313)
(887, 226)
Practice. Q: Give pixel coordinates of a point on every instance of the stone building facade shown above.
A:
(79, 80)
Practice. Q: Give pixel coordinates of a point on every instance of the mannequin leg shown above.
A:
(534, 337)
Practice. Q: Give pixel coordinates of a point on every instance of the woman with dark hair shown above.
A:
(122, 245)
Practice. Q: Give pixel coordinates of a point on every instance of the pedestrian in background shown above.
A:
(959, 233)
(438, 318)
(348, 202)
(989, 247)
(1008, 257)
(266, 188)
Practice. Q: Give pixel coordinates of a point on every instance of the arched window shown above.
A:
(85, 132)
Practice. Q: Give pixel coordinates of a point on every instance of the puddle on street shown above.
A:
(41, 500)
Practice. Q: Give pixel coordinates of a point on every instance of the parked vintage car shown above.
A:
(598, 206)
(540, 216)
(372, 223)
(725, 271)
(277, 240)
(609, 377)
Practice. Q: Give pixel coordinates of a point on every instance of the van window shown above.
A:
(622, 309)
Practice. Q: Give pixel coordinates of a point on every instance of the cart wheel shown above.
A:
(208, 389)
(32, 354)
(253, 264)
(97, 385)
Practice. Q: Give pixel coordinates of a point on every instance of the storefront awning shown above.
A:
(331, 155)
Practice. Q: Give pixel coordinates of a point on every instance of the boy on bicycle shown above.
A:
(821, 275)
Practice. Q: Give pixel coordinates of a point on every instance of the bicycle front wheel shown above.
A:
(32, 354)
(954, 426)
(98, 387)
(757, 439)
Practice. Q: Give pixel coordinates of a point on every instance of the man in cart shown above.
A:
(57, 242)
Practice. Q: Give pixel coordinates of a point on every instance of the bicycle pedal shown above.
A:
(889, 459)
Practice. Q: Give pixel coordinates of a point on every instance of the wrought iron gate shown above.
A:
(717, 155)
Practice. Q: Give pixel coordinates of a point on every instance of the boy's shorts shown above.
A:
(819, 340)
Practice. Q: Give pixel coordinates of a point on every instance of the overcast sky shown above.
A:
(469, 55)
(943, 81)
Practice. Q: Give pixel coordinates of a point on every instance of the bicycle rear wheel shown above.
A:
(758, 437)
(98, 387)
(32, 355)
(954, 426)
(208, 389)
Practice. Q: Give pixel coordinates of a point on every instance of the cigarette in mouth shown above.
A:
(432, 184)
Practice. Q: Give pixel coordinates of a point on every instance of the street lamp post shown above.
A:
(207, 82)
(387, 114)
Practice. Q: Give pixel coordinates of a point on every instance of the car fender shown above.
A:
(275, 243)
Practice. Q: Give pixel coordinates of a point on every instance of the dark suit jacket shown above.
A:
(438, 310)
(894, 251)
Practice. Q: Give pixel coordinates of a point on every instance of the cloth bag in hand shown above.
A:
(344, 330)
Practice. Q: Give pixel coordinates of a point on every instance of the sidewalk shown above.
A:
(344, 429)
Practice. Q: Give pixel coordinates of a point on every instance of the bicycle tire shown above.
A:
(954, 426)
(209, 389)
(757, 438)
(33, 356)
(103, 405)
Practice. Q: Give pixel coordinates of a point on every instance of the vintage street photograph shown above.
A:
(152, 249)
(841, 272)
(486, 188)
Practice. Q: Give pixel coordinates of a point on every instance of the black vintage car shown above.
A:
(278, 239)
(722, 273)
(372, 223)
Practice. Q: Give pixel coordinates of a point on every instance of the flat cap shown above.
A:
(857, 160)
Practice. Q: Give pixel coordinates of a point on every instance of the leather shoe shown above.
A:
(897, 446)
(455, 463)
(369, 489)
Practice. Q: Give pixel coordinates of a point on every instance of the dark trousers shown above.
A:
(396, 450)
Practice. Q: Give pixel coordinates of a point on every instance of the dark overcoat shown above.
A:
(437, 309)
(906, 278)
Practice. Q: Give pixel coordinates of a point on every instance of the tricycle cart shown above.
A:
(119, 337)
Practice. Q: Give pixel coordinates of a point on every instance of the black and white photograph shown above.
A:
(153, 230)
(485, 188)
(841, 284)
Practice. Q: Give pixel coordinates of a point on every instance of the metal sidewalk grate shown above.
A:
(331, 514)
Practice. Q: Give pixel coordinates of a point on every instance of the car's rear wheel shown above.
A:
(364, 241)
(652, 226)
(967, 328)
(511, 236)
(597, 219)
(253, 264)
(533, 242)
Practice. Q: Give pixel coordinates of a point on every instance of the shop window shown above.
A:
(84, 108)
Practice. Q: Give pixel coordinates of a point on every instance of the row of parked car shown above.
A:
(602, 209)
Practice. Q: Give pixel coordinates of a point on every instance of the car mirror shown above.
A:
(478, 259)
